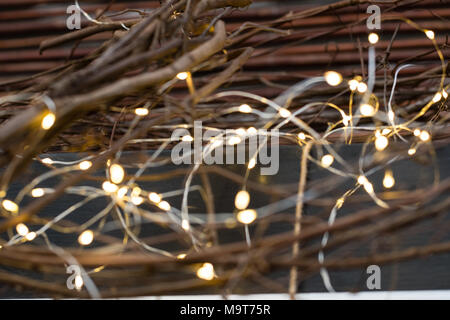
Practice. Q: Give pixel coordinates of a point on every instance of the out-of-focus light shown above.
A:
(22, 229)
(206, 271)
(86, 238)
(247, 216)
(251, 163)
(181, 256)
(10, 205)
(353, 84)
(424, 136)
(444, 94)
(187, 138)
(388, 181)
(154, 197)
(116, 173)
(333, 78)
(141, 111)
(430, 34)
(234, 140)
(136, 200)
(252, 130)
(411, 151)
(367, 110)
(48, 121)
(122, 192)
(284, 113)
(373, 38)
(362, 87)
(245, 108)
(182, 75)
(47, 161)
(84, 165)
(242, 200)
(301, 136)
(381, 143)
(79, 282)
(185, 225)
(109, 187)
(30, 236)
(327, 160)
(416, 132)
(437, 97)
(164, 205)
(37, 192)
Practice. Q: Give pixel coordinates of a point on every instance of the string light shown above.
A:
(416, 132)
(10, 206)
(181, 256)
(164, 205)
(411, 151)
(38, 192)
(301, 136)
(84, 165)
(234, 140)
(251, 163)
(245, 108)
(240, 131)
(252, 130)
(122, 192)
(247, 216)
(182, 75)
(362, 87)
(86, 238)
(391, 115)
(206, 271)
(429, 34)
(437, 97)
(30, 236)
(388, 181)
(22, 229)
(79, 282)
(47, 161)
(444, 94)
(116, 173)
(353, 84)
(365, 183)
(109, 187)
(381, 143)
(333, 78)
(284, 113)
(154, 197)
(141, 112)
(48, 121)
(242, 200)
(373, 38)
(327, 160)
(136, 200)
(185, 225)
(367, 110)
(187, 138)
(424, 136)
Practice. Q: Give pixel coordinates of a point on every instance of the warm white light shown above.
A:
(30, 236)
(251, 163)
(367, 185)
(444, 94)
(38, 192)
(417, 132)
(424, 136)
(373, 38)
(327, 160)
(240, 131)
(245, 108)
(437, 97)
(185, 225)
(242, 200)
(284, 113)
(164, 205)
(429, 34)
(47, 161)
(137, 200)
(301, 136)
(353, 84)
(117, 173)
(10, 206)
(154, 197)
(252, 130)
(206, 271)
(388, 181)
(187, 138)
(181, 256)
(362, 87)
(247, 216)
(333, 78)
(22, 229)
(84, 165)
(386, 131)
(391, 115)
(182, 75)
(234, 140)
(79, 282)
(141, 111)
(367, 110)
(381, 143)
(48, 121)
(109, 187)
(411, 151)
(86, 238)
(122, 192)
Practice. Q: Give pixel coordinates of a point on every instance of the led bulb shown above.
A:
(84, 165)
(86, 238)
(22, 229)
(424, 136)
(206, 271)
(284, 113)
(388, 181)
(301, 136)
(252, 130)
(247, 216)
(109, 187)
(38, 192)
(437, 97)
(416, 132)
(164, 205)
(411, 151)
(10, 206)
(48, 121)
(30, 236)
(242, 200)
(154, 197)
(353, 84)
(333, 78)
(141, 111)
(47, 161)
(362, 87)
(187, 138)
(381, 143)
(245, 108)
(373, 38)
(327, 160)
(136, 200)
(234, 140)
(79, 282)
(251, 163)
(367, 110)
(429, 34)
(182, 75)
(116, 173)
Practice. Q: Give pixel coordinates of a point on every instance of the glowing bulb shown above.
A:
(122, 192)
(48, 121)
(182, 75)
(47, 161)
(368, 187)
(327, 160)
(247, 216)
(117, 173)
(333, 78)
(245, 108)
(284, 113)
(367, 110)
(301, 136)
(242, 200)
(362, 179)
(234, 140)
(429, 34)
(30, 236)
(437, 97)
(136, 200)
(373, 38)
(362, 87)
(251, 163)
(411, 151)
(141, 111)
(206, 271)
(22, 229)
(388, 181)
(353, 84)
(10, 206)
(86, 238)
(164, 205)
(79, 282)
(417, 132)
(381, 143)
(252, 130)
(346, 120)
(185, 225)
(187, 138)
(84, 165)
(386, 131)
(240, 131)
(424, 136)
(154, 197)
(391, 115)
(181, 256)
(444, 94)
(38, 192)
(109, 187)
